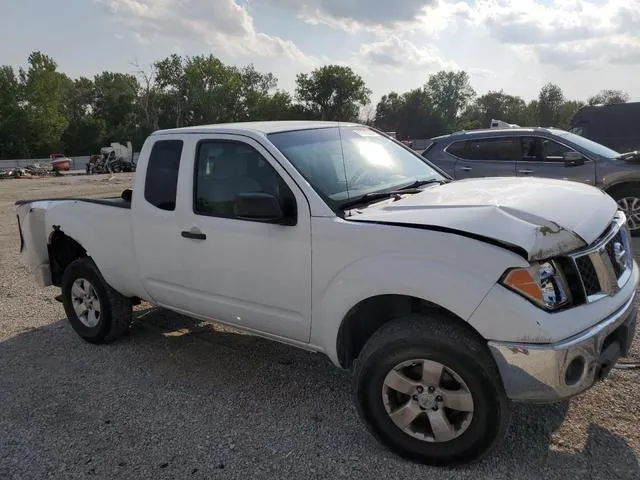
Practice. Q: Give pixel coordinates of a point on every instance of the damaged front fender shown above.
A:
(549, 239)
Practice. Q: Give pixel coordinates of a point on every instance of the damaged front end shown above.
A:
(548, 238)
(565, 277)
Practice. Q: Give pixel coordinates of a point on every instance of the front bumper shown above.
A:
(551, 372)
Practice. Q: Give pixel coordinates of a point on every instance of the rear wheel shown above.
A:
(628, 200)
(430, 391)
(97, 312)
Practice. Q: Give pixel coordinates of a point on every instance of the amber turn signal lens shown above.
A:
(521, 280)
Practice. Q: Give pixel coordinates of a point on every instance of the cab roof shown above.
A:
(263, 128)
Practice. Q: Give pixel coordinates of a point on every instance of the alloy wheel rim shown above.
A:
(86, 303)
(631, 207)
(428, 400)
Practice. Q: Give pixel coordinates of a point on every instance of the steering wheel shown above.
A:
(357, 177)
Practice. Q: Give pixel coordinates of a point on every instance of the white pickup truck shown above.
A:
(447, 299)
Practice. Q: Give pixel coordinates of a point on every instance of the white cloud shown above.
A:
(400, 53)
(570, 34)
(353, 15)
(222, 24)
(552, 32)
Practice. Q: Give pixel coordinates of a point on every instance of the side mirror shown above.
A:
(573, 159)
(258, 206)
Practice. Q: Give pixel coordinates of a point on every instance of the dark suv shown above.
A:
(541, 152)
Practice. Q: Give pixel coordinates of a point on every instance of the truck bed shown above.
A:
(109, 202)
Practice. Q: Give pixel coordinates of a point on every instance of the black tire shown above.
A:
(433, 338)
(116, 310)
(627, 192)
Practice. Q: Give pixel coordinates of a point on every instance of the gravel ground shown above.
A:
(180, 399)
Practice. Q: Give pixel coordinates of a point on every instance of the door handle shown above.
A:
(525, 171)
(194, 235)
(466, 169)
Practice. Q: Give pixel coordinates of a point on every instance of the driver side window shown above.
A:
(225, 169)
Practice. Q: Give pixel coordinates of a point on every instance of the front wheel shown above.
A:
(430, 391)
(96, 311)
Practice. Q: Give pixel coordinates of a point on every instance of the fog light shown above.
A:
(574, 371)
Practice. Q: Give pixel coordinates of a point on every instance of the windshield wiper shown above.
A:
(367, 197)
(421, 183)
(407, 189)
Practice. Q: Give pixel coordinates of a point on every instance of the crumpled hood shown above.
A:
(543, 217)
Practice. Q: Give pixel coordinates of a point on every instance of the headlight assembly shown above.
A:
(542, 283)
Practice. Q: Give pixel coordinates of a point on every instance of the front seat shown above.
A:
(227, 179)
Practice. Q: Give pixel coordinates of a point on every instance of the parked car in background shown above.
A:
(615, 126)
(542, 152)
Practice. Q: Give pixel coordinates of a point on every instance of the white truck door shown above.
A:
(249, 273)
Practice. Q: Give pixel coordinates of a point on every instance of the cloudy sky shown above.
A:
(517, 45)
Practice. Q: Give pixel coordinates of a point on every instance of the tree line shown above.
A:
(43, 110)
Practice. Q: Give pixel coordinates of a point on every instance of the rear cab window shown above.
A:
(161, 181)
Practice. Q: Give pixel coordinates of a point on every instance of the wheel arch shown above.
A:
(612, 189)
(369, 315)
(63, 250)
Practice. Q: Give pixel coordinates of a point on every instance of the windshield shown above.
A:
(343, 163)
(590, 145)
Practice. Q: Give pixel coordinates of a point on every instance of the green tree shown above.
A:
(147, 103)
(389, 112)
(13, 122)
(213, 91)
(85, 131)
(255, 100)
(450, 93)
(550, 100)
(115, 104)
(410, 115)
(420, 116)
(566, 112)
(332, 92)
(43, 91)
(532, 114)
(276, 106)
(202, 89)
(608, 97)
(499, 106)
(173, 97)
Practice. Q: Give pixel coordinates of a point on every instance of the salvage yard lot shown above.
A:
(179, 399)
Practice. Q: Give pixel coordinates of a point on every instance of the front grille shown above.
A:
(588, 275)
(601, 267)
